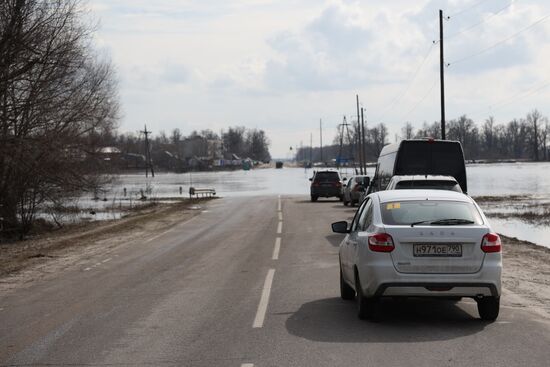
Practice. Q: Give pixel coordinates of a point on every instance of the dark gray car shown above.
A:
(354, 188)
(326, 184)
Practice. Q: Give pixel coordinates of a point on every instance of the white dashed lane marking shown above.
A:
(264, 300)
(276, 249)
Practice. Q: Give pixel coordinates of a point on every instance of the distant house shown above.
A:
(109, 150)
(132, 160)
(110, 154)
(204, 149)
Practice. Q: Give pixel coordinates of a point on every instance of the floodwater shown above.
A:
(504, 179)
(501, 179)
(531, 180)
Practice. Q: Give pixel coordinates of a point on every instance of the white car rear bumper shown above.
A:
(380, 278)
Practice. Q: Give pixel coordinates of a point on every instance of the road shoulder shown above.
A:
(526, 275)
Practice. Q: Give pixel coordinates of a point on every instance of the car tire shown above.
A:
(346, 292)
(341, 197)
(314, 197)
(366, 307)
(488, 308)
(346, 203)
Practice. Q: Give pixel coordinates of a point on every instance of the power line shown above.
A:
(482, 51)
(421, 100)
(409, 85)
(511, 99)
(475, 5)
(485, 20)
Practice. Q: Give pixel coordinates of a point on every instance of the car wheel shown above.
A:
(366, 307)
(346, 292)
(341, 197)
(488, 308)
(346, 203)
(314, 197)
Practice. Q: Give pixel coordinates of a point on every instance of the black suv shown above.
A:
(326, 184)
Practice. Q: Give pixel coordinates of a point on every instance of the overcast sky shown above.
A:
(281, 65)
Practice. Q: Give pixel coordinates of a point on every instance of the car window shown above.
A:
(366, 216)
(355, 221)
(407, 212)
(327, 176)
(428, 184)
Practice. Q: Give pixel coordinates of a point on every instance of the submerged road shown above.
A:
(249, 282)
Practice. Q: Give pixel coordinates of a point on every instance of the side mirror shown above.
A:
(366, 181)
(340, 227)
(344, 179)
(311, 179)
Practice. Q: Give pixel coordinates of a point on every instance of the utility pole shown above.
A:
(441, 73)
(360, 143)
(311, 148)
(363, 142)
(148, 163)
(344, 126)
(321, 137)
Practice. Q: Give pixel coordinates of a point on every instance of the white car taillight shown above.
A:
(491, 243)
(381, 242)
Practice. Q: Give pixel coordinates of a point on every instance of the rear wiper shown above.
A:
(422, 221)
(452, 221)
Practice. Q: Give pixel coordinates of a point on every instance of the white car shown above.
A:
(420, 243)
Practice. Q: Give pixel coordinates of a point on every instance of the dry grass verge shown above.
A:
(144, 221)
(526, 273)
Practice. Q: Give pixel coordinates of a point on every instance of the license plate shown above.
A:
(437, 250)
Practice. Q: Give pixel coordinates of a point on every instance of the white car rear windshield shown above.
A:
(429, 212)
(428, 184)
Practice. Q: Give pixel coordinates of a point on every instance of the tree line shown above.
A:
(525, 138)
(173, 151)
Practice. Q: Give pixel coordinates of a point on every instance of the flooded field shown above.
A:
(515, 196)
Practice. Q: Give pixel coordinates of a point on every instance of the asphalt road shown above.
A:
(246, 284)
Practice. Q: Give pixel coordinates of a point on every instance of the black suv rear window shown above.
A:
(327, 176)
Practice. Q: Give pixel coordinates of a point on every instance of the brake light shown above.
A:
(381, 242)
(491, 243)
(338, 184)
(315, 183)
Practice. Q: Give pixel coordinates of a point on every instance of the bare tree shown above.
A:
(378, 137)
(56, 100)
(544, 136)
(488, 136)
(407, 131)
(535, 120)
